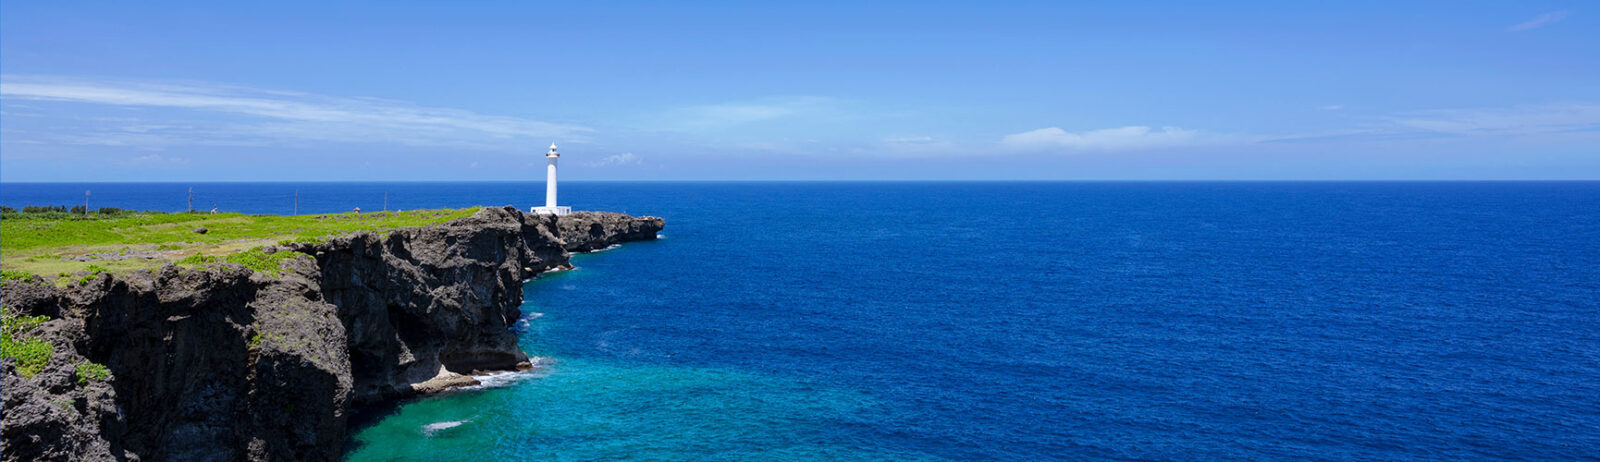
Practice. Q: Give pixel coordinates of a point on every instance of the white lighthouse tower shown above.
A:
(550, 207)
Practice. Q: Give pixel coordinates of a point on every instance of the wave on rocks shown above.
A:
(609, 247)
(506, 378)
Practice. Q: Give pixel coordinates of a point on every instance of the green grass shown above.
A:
(43, 243)
(92, 372)
(256, 259)
(31, 354)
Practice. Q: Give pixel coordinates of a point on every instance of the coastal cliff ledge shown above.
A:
(223, 362)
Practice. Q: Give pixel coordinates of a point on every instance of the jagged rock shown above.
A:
(201, 230)
(224, 363)
(589, 231)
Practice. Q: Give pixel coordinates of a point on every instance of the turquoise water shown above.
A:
(1025, 321)
(669, 413)
(597, 409)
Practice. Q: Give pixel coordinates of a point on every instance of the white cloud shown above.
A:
(914, 146)
(728, 115)
(1537, 22)
(1117, 139)
(1332, 107)
(626, 158)
(255, 116)
(154, 159)
(1520, 120)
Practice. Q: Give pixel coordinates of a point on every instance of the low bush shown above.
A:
(92, 372)
(31, 354)
(256, 259)
(21, 276)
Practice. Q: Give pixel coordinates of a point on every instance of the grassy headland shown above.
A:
(55, 244)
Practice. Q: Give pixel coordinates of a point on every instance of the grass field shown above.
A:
(53, 246)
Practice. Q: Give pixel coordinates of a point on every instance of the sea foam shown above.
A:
(436, 427)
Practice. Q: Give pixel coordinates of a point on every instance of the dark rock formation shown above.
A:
(590, 231)
(228, 364)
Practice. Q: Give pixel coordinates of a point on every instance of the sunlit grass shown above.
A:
(50, 246)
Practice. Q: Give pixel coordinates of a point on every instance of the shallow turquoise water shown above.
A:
(669, 413)
(608, 409)
(625, 404)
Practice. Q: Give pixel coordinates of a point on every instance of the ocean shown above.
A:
(1019, 321)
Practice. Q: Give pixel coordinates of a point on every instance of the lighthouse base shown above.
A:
(557, 211)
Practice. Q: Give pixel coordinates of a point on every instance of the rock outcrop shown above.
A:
(225, 363)
(590, 231)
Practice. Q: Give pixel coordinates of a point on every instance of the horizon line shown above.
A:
(1242, 180)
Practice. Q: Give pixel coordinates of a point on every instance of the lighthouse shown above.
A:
(550, 207)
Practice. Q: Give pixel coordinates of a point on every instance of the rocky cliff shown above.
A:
(226, 363)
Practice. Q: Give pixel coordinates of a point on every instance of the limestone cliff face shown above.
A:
(229, 364)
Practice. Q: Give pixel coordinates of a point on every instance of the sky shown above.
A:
(451, 91)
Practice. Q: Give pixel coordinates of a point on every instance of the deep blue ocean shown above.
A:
(1021, 321)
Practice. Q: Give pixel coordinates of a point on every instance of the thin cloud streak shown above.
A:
(1540, 21)
(1128, 138)
(1520, 120)
(1516, 121)
(277, 117)
(734, 114)
(616, 160)
(154, 159)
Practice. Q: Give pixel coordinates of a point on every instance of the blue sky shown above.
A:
(289, 91)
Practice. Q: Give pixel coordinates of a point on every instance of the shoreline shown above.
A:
(228, 363)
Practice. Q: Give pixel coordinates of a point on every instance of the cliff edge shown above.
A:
(227, 363)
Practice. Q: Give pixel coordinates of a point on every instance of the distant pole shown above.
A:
(191, 199)
(296, 202)
(385, 201)
(86, 203)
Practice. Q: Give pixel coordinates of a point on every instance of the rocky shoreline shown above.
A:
(226, 363)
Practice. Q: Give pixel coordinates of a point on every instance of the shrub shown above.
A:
(92, 371)
(199, 259)
(9, 275)
(94, 271)
(31, 354)
(76, 212)
(259, 260)
(256, 259)
(44, 209)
